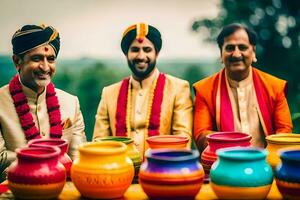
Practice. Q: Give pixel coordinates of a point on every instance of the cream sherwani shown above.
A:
(176, 109)
(12, 135)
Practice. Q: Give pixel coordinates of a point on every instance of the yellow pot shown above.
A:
(102, 170)
(132, 152)
(279, 141)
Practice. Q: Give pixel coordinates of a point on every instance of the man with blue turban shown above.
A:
(147, 103)
(30, 106)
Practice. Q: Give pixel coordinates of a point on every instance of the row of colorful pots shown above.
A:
(220, 180)
(221, 140)
(108, 175)
(242, 172)
(105, 169)
(41, 169)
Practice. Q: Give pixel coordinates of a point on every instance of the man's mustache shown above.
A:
(136, 61)
(42, 72)
(235, 59)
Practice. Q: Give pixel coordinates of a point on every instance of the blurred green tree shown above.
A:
(89, 86)
(64, 80)
(277, 23)
(192, 74)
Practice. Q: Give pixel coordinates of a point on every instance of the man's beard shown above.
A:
(42, 83)
(141, 74)
(44, 80)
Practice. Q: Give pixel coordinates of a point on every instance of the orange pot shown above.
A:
(167, 141)
(103, 170)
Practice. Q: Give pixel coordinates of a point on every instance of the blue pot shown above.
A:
(287, 173)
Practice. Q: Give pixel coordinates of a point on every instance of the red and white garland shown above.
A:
(25, 116)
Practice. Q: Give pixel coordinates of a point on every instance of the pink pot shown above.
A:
(220, 140)
(61, 144)
(37, 173)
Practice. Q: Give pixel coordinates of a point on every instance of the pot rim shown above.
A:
(278, 138)
(234, 153)
(124, 139)
(102, 148)
(59, 142)
(169, 139)
(24, 153)
(290, 153)
(214, 136)
(160, 154)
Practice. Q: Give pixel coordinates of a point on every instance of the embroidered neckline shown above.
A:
(25, 116)
(124, 107)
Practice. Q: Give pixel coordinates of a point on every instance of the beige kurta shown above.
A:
(176, 111)
(245, 109)
(11, 133)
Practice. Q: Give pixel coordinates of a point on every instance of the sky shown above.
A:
(93, 28)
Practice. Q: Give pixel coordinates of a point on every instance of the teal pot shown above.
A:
(241, 173)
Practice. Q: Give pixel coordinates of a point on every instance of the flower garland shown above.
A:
(26, 118)
(124, 107)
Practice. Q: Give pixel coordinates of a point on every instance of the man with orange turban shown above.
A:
(147, 103)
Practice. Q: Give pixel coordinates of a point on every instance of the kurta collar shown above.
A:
(241, 84)
(146, 83)
(32, 95)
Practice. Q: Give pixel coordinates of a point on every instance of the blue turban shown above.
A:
(32, 36)
(139, 31)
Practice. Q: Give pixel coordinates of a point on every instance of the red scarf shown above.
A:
(264, 102)
(26, 118)
(154, 123)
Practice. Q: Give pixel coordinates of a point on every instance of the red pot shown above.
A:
(61, 144)
(37, 173)
(220, 140)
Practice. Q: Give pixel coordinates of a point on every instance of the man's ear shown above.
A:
(254, 54)
(17, 61)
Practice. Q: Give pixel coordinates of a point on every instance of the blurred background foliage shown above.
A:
(277, 23)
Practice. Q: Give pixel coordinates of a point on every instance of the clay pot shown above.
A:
(37, 173)
(60, 143)
(276, 142)
(287, 173)
(102, 170)
(241, 173)
(220, 140)
(171, 174)
(132, 152)
(167, 141)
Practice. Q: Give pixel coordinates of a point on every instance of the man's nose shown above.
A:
(236, 52)
(44, 65)
(141, 55)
